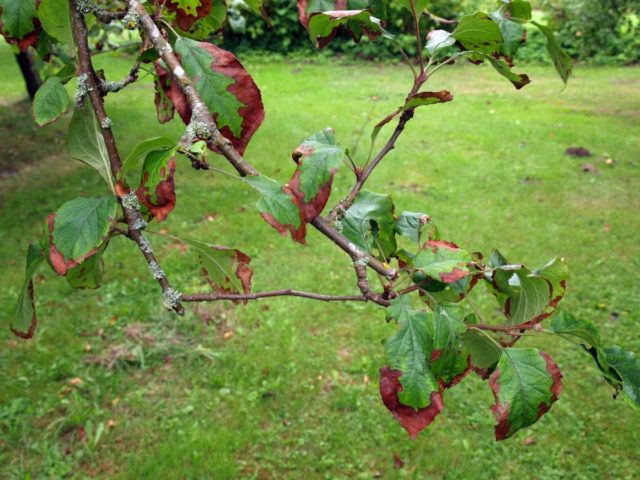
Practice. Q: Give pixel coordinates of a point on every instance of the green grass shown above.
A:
(293, 392)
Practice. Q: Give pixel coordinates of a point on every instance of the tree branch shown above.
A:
(215, 297)
(201, 113)
(132, 214)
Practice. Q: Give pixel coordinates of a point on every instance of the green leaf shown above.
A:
(318, 158)
(412, 224)
(89, 273)
(78, 229)
(406, 351)
(86, 144)
(18, 17)
(518, 80)
(56, 20)
(226, 270)
(518, 10)
(479, 33)
(563, 323)
(438, 40)
(419, 5)
(627, 366)
(370, 223)
(50, 102)
(561, 59)
(23, 322)
(213, 86)
(323, 26)
(427, 98)
(141, 150)
(443, 261)
(525, 385)
(157, 189)
(484, 353)
(278, 207)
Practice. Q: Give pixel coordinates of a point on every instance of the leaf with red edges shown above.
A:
(525, 384)
(19, 23)
(324, 26)
(188, 12)
(23, 322)
(413, 421)
(318, 158)
(157, 188)
(443, 261)
(279, 207)
(225, 87)
(226, 269)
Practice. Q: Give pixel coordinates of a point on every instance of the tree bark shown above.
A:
(29, 73)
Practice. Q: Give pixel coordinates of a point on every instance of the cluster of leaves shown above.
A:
(441, 337)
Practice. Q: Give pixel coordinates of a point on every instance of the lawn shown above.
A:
(113, 386)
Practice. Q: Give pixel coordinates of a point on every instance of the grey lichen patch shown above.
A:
(83, 87)
(156, 271)
(106, 123)
(85, 6)
(109, 86)
(131, 19)
(171, 298)
(145, 245)
(139, 224)
(338, 226)
(362, 261)
(196, 130)
(130, 201)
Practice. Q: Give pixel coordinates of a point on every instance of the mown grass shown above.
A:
(288, 388)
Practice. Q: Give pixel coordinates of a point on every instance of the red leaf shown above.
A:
(413, 421)
(185, 20)
(244, 89)
(556, 386)
(56, 259)
(313, 208)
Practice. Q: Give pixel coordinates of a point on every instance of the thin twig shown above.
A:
(239, 297)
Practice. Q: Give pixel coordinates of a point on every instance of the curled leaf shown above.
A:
(23, 323)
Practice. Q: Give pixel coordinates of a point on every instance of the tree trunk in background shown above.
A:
(29, 73)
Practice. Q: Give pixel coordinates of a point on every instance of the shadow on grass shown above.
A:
(23, 142)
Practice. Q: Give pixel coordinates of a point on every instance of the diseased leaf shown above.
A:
(447, 360)
(278, 207)
(56, 20)
(369, 223)
(318, 158)
(443, 261)
(413, 421)
(89, 273)
(518, 80)
(226, 88)
(527, 298)
(484, 353)
(427, 98)
(323, 27)
(50, 102)
(561, 59)
(525, 385)
(226, 270)
(189, 12)
(77, 231)
(23, 322)
(157, 189)
(407, 351)
(478, 33)
(86, 144)
(164, 108)
(18, 17)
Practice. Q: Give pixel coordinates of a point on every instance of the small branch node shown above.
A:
(172, 298)
(130, 201)
(131, 20)
(106, 123)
